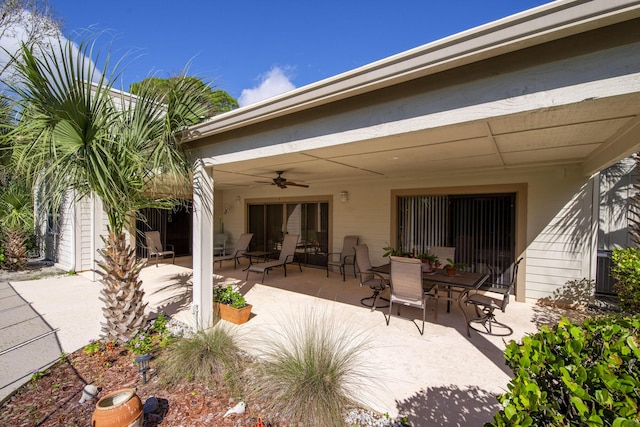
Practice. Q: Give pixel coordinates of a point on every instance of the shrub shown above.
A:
(575, 375)
(226, 295)
(154, 336)
(211, 356)
(626, 272)
(312, 370)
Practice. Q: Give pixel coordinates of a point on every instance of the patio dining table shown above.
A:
(461, 283)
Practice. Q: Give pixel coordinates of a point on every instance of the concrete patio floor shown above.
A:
(440, 378)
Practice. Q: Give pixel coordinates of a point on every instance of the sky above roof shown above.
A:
(256, 49)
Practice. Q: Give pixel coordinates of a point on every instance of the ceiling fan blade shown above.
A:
(296, 185)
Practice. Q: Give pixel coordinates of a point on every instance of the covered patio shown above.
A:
(532, 107)
(443, 376)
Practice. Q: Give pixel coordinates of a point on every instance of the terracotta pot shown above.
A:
(121, 408)
(233, 315)
(451, 271)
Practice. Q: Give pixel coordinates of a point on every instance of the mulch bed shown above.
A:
(53, 398)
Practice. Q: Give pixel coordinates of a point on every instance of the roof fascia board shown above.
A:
(553, 21)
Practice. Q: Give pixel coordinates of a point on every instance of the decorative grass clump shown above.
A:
(209, 356)
(311, 369)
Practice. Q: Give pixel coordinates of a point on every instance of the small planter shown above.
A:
(231, 314)
(451, 271)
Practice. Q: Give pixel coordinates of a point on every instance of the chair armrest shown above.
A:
(173, 248)
(491, 287)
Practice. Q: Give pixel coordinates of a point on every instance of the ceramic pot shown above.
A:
(121, 408)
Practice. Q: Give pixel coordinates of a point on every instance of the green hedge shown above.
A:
(575, 375)
(625, 269)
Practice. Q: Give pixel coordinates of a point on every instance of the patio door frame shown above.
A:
(520, 191)
(294, 200)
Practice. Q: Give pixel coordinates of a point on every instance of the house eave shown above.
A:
(536, 26)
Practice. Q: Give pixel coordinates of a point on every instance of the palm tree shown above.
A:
(16, 224)
(77, 137)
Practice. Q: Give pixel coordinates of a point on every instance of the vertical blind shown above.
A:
(480, 227)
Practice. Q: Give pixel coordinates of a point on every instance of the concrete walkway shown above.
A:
(441, 378)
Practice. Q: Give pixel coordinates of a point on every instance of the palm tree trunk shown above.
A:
(122, 293)
(15, 250)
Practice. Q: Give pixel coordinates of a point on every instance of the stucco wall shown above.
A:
(557, 245)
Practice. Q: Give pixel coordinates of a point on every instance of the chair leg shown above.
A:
(389, 317)
(342, 272)
(424, 309)
(490, 324)
(374, 297)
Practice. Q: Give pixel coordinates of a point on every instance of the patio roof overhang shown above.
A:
(556, 85)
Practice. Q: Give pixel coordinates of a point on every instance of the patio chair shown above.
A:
(238, 251)
(155, 248)
(485, 305)
(287, 256)
(377, 282)
(443, 253)
(346, 256)
(406, 287)
(220, 244)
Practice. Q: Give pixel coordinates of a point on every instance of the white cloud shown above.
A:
(273, 83)
(10, 44)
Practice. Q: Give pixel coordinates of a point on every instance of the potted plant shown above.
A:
(429, 261)
(231, 305)
(391, 251)
(452, 267)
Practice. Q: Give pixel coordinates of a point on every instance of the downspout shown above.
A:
(595, 226)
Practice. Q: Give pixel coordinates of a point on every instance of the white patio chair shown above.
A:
(406, 287)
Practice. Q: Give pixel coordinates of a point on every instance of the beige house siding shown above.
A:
(64, 244)
(553, 226)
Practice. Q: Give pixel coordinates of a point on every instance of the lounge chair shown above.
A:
(287, 256)
(238, 251)
(155, 248)
(347, 256)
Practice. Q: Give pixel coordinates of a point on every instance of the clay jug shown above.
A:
(121, 408)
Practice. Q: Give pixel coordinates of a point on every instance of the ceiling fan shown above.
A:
(282, 182)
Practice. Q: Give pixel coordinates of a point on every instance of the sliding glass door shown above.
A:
(480, 227)
(269, 222)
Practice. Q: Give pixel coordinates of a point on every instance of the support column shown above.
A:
(202, 305)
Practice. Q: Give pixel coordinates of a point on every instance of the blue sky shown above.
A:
(253, 48)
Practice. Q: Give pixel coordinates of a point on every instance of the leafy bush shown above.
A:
(211, 356)
(313, 369)
(156, 335)
(226, 295)
(626, 270)
(575, 375)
